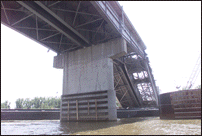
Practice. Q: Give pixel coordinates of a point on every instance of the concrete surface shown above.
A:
(91, 69)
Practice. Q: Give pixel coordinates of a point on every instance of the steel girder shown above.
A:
(60, 26)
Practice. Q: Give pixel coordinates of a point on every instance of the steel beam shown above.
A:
(22, 19)
(65, 10)
(76, 12)
(42, 29)
(62, 21)
(52, 19)
(49, 36)
(54, 3)
(152, 82)
(98, 29)
(5, 12)
(37, 31)
(60, 41)
(93, 31)
(57, 43)
(12, 9)
(123, 96)
(88, 22)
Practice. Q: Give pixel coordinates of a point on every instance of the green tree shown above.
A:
(57, 103)
(27, 103)
(19, 103)
(38, 103)
(5, 105)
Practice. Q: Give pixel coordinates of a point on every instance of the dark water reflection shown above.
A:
(125, 126)
(51, 127)
(73, 127)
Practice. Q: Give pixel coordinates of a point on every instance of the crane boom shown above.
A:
(194, 73)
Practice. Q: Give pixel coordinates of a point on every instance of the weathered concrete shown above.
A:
(91, 69)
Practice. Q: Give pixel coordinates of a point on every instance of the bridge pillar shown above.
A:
(88, 82)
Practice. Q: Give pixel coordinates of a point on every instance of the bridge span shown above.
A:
(101, 53)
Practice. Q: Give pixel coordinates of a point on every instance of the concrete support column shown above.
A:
(87, 71)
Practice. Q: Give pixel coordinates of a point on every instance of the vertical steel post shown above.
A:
(77, 110)
(96, 109)
(68, 110)
(88, 107)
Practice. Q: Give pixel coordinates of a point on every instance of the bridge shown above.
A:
(102, 56)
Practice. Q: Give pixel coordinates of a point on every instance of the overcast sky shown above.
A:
(170, 30)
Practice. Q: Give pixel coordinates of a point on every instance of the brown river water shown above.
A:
(128, 126)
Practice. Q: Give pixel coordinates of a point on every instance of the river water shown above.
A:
(128, 126)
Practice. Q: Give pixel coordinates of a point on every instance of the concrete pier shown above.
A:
(88, 75)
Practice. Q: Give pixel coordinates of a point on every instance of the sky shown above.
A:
(171, 31)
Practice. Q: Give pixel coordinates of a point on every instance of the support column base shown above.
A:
(91, 106)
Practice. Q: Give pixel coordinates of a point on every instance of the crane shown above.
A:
(195, 73)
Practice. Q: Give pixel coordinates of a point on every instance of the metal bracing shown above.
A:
(119, 92)
(46, 17)
(148, 87)
(98, 29)
(71, 48)
(94, 31)
(58, 43)
(54, 4)
(43, 26)
(73, 31)
(49, 36)
(153, 86)
(141, 81)
(123, 96)
(142, 89)
(15, 10)
(37, 31)
(84, 13)
(5, 12)
(60, 40)
(117, 81)
(76, 12)
(90, 22)
(41, 29)
(21, 19)
(121, 83)
(107, 37)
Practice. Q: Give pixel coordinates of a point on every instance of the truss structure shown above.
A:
(35, 20)
(131, 78)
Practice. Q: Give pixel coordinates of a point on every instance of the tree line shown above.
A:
(5, 105)
(45, 103)
(36, 103)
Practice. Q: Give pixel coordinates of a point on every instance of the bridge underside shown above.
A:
(68, 26)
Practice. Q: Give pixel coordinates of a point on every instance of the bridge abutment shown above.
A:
(88, 82)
